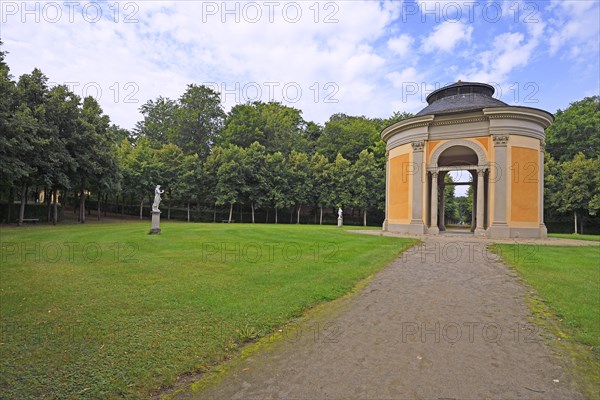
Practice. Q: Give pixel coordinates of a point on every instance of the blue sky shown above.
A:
(362, 58)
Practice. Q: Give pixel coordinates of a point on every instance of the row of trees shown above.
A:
(572, 165)
(50, 138)
(234, 175)
(258, 156)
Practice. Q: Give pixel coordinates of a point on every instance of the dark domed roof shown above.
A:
(460, 97)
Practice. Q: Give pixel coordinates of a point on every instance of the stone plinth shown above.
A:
(340, 222)
(155, 223)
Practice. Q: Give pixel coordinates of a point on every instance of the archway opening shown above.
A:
(456, 184)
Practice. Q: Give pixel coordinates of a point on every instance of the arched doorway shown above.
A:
(458, 155)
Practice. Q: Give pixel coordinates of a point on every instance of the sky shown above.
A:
(367, 58)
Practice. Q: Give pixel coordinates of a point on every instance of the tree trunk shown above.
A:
(215, 214)
(55, 207)
(230, 212)
(188, 211)
(365, 217)
(141, 208)
(23, 202)
(11, 200)
(292, 215)
(82, 206)
(48, 200)
(252, 205)
(298, 218)
(99, 199)
(241, 211)
(321, 215)
(575, 215)
(169, 209)
(275, 215)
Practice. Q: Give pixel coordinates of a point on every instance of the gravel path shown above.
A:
(445, 321)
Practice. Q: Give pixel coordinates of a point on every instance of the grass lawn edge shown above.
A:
(578, 359)
(195, 383)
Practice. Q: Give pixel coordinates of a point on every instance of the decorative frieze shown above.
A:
(500, 140)
(418, 145)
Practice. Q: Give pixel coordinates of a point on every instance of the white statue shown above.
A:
(339, 213)
(157, 193)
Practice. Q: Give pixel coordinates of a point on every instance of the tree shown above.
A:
(273, 125)
(12, 167)
(339, 175)
(200, 118)
(450, 204)
(347, 136)
(368, 187)
(170, 158)
(141, 170)
(30, 134)
(160, 121)
(278, 182)
(578, 190)
(94, 151)
(62, 116)
(318, 176)
(255, 173)
(227, 165)
(189, 181)
(575, 130)
(300, 184)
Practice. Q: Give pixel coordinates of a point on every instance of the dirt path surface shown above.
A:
(445, 321)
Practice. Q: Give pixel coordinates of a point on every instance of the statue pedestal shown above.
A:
(340, 222)
(155, 223)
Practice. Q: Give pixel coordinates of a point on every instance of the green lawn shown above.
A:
(106, 310)
(567, 303)
(568, 279)
(594, 238)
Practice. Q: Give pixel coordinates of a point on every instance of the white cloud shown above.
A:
(575, 23)
(401, 45)
(327, 51)
(446, 36)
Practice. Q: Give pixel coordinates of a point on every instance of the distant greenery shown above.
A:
(107, 311)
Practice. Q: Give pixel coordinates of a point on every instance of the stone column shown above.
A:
(417, 223)
(543, 229)
(479, 231)
(442, 206)
(387, 189)
(474, 200)
(499, 228)
(434, 229)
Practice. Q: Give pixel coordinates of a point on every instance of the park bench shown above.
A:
(226, 221)
(34, 220)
